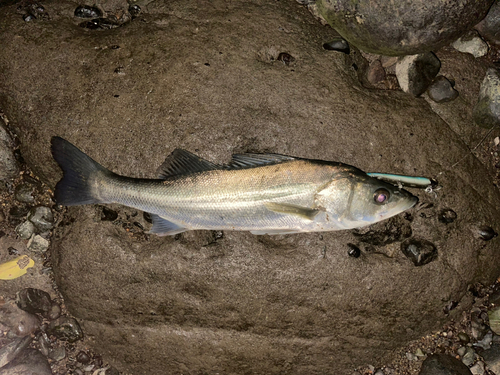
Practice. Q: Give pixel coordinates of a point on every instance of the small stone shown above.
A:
(2, 216)
(411, 356)
(18, 212)
(494, 319)
(353, 251)
(419, 251)
(25, 230)
(338, 44)
(376, 72)
(83, 357)
(44, 343)
(492, 358)
(416, 72)
(38, 244)
(66, 328)
(24, 192)
(34, 301)
(487, 110)
(379, 372)
(478, 368)
(54, 312)
(58, 354)
(443, 364)
(469, 357)
(419, 353)
(486, 233)
(461, 351)
(108, 214)
(134, 10)
(42, 218)
(286, 58)
(464, 338)
(485, 343)
(441, 90)
(447, 216)
(489, 27)
(86, 11)
(471, 43)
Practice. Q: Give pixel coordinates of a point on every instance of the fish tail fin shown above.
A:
(78, 172)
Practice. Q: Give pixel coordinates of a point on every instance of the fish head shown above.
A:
(357, 200)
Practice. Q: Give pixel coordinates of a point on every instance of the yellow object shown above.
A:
(15, 267)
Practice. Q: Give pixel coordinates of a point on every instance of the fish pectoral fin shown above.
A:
(181, 162)
(292, 209)
(163, 227)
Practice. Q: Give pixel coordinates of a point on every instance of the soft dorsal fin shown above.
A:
(241, 161)
(182, 162)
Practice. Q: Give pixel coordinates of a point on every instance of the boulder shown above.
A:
(408, 27)
(207, 78)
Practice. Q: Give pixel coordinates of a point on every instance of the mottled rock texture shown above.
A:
(205, 77)
(405, 27)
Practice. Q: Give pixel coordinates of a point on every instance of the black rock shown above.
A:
(419, 251)
(487, 233)
(447, 216)
(66, 328)
(25, 192)
(18, 212)
(34, 301)
(442, 364)
(86, 11)
(83, 357)
(353, 251)
(441, 90)
(286, 58)
(134, 10)
(338, 44)
(108, 214)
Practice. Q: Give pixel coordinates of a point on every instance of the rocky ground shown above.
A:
(28, 216)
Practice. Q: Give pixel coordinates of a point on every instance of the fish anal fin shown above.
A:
(181, 162)
(274, 232)
(292, 209)
(163, 227)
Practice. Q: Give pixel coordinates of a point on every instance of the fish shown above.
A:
(260, 193)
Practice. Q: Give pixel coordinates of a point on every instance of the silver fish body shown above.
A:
(262, 193)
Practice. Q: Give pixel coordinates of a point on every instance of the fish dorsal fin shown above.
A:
(182, 162)
(241, 161)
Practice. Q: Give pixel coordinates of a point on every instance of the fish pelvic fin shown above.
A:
(78, 169)
(292, 209)
(163, 227)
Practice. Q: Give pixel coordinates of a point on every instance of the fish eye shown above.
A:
(381, 196)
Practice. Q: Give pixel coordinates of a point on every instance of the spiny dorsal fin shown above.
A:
(182, 162)
(241, 161)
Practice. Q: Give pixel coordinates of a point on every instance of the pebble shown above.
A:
(83, 357)
(42, 218)
(34, 301)
(338, 44)
(461, 351)
(87, 11)
(485, 343)
(447, 216)
(30, 361)
(489, 27)
(441, 90)
(471, 43)
(54, 312)
(8, 165)
(411, 356)
(353, 251)
(494, 319)
(66, 328)
(419, 251)
(416, 72)
(464, 338)
(486, 233)
(469, 357)
(11, 350)
(58, 353)
(478, 368)
(24, 192)
(18, 212)
(487, 110)
(19, 322)
(134, 10)
(376, 72)
(25, 230)
(442, 364)
(38, 244)
(2, 216)
(492, 358)
(44, 342)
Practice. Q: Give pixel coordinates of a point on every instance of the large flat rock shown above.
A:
(206, 77)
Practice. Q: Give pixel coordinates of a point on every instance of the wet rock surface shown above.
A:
(404, 27)
(442, 364)
(416, 72)
(257, 301)
(487, 109)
